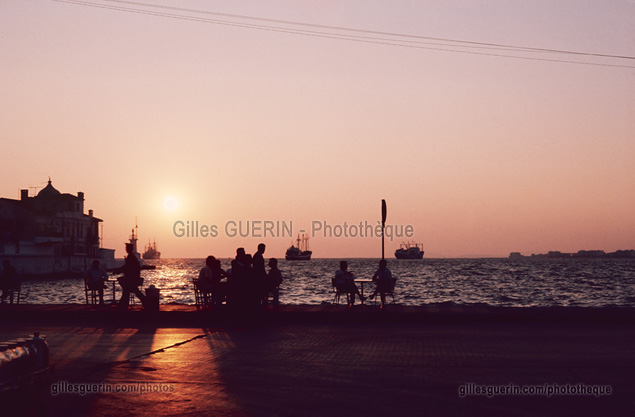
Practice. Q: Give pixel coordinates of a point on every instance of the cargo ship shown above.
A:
(151, 252)
(409, 250)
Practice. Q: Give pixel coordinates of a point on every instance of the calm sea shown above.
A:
(495, 282)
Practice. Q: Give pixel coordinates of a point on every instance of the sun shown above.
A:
(171, 203)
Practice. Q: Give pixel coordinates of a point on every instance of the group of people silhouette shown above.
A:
(130, 279)
(247, 284)
(344, 281)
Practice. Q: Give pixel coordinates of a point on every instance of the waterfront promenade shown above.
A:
(329, 360)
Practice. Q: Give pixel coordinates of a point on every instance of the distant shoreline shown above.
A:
(582, 254)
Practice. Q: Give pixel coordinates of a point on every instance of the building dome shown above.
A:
(48, 191)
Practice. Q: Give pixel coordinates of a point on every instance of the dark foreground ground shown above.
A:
(322, 361)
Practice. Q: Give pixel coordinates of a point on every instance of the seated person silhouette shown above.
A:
(205, 278)
(384, 282)
(344, 281)
(273, 281)
(9, 281)
(219, 289)
(96, 278)
(209, 281)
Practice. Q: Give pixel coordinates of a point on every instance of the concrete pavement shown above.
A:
(296, 368)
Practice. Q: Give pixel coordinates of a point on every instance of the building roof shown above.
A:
(48, 191)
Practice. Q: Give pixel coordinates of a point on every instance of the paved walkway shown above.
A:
(324, 369)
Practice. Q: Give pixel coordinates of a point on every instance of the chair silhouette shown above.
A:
(273, 295)
(339, 293)
(388, 292)
(198, 297)
(14, 294)
(91, 295)
(202, 300)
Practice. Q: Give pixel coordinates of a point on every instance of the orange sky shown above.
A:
(480, 154)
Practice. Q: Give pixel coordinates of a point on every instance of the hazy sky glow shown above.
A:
(481, 154)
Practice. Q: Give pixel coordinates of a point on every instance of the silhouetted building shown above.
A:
(49, 233)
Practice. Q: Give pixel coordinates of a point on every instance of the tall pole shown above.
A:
(383, 225)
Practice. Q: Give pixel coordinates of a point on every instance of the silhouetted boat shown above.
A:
(133, 241)
(301, 252)
(151, 251)
(409, 251)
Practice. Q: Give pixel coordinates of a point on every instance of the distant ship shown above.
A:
(151, 251)
(301, 252)
(409, 251)
(133, 241)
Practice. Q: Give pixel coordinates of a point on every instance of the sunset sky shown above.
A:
(302, 111)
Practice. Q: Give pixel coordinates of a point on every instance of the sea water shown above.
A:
(495, 282)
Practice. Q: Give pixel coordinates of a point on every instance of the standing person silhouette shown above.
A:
(259, 275)
(258, 260)
(131, 279)
(237, 284)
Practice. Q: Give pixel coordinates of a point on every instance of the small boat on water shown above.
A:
(301, 252)
(409, 250)
(151, 251)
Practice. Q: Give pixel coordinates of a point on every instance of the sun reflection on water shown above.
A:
(497, 282)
